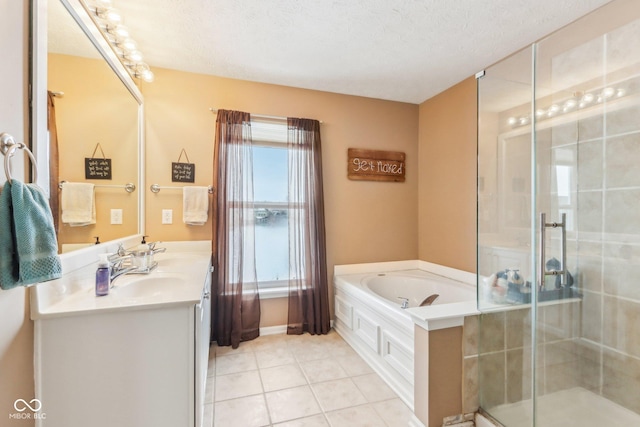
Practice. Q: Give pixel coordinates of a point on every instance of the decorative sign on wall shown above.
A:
(183, 172)
(374, 165)
(97, 168)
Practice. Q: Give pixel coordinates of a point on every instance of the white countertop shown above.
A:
(178, 280)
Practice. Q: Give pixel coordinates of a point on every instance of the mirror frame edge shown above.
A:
(38, 89)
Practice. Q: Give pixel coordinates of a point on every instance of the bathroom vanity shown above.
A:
(136, 357)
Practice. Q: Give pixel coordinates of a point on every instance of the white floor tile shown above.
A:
(338, 394)
(265, 382)
(373, 388)
(281, 377)
(248, 411)
(232, 363)
(394, 412)
(292, 403)
(363, 416)
(241, 384)
(314, 421)
(322, 370)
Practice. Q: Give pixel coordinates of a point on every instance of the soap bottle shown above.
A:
(103, 276)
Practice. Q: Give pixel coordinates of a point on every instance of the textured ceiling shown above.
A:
(401, 50)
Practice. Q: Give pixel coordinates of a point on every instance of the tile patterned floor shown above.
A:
(297, 381)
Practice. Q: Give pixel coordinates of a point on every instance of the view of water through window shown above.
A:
(270, 178)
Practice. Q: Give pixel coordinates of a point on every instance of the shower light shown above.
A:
(579, 101)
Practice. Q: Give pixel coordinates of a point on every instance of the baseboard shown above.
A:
(278, 329)
(415, 422)
(273, 330)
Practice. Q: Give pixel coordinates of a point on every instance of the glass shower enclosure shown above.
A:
(559, 227)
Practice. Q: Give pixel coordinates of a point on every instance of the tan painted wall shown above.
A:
(96, 108)
(365, 221)
(447, 182)
(16, 330)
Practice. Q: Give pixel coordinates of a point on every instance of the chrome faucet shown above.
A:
(152, 248)
(118, 266)
(405, 302)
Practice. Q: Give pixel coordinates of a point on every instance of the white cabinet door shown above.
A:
(202, 334)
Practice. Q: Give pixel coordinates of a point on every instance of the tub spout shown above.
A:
(405, 302)
(429, 300)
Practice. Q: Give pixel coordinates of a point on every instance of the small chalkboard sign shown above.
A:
(183, 172)
(97, 168)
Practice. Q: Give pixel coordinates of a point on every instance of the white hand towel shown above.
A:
(78, 204)
(195, 206)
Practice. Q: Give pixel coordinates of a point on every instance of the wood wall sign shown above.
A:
(375, 165)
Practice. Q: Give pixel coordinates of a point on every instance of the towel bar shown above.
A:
(155, 188)
(8, 146)
(129, 186)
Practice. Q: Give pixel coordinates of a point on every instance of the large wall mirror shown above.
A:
(97, 114)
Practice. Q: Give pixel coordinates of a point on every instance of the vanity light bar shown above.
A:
(155, 188)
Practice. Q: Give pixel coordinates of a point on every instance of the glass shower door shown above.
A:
(587, 147)
(504, 239)
(559, 227)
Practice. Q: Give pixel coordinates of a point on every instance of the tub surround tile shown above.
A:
(491, 336)
(470, 384)
(470, 331)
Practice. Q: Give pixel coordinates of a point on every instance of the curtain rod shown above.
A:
(260, 116)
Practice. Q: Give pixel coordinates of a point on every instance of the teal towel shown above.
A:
(28, 245)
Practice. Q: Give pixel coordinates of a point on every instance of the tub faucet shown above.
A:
(405, 302)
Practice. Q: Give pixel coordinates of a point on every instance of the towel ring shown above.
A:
(8, 146)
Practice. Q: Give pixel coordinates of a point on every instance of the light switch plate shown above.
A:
(116, 216)
(167, 216)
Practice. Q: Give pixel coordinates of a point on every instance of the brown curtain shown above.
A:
(236, 304)
(54, 193)
(308, 287)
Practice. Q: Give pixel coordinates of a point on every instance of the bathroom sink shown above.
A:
(153, 285)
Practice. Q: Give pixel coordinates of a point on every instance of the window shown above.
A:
(270, 195)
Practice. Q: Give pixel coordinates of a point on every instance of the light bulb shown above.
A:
(133, 56)
(587, 98)
(608, 92)
(120, 32)
(512, 121)
(128, 45)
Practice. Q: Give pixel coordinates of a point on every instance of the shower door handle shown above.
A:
(563, 272)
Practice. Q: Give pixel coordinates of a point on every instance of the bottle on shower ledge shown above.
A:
(103, 276)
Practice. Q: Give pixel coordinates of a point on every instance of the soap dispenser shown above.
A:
(103, 276)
